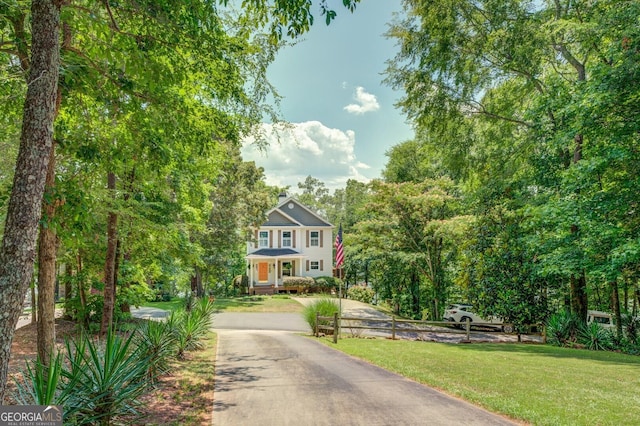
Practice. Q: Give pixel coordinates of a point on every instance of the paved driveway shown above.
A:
(279, 377)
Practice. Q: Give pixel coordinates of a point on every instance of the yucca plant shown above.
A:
(206, 307)
(156, 343)
(105, 378)
(323, 307)
(595, 337)
(562, 328)
(190, 327)
(40, 383)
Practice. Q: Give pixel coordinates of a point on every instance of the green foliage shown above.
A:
(543, 142)
(189, 327)
(562, 328)
(301, 281)
(324, 284)
(105, 379)
(361, 293)
(595, 337)
(631, 327)
(500, 272)
(100, 381)
(40, 383)
(157, 344)
(132, 287)
(321, 307)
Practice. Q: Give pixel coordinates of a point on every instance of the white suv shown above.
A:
(458, 313)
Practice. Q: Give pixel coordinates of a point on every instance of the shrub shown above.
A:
(104, 379)
(322, 307)
(595, 337)
(157, 344)
(189, 328)
(301, 281)
(40, 384)
(361, 293)
(562, 328)
(324, 284)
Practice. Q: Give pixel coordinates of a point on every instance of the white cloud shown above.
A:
(366, 102)
(298, 150)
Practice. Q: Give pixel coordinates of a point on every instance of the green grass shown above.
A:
(259, 304)
(538, 384)
(277, 303)
(172, 305)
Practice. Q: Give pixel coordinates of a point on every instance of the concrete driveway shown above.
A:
(278, 377)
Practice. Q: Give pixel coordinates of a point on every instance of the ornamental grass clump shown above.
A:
(322, 307)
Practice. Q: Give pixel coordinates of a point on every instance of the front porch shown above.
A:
(269, 269)
(271, 289)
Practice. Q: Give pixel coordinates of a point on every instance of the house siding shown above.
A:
(300, 221)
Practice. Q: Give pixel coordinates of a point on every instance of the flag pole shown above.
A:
(340, 291)
(339, 262)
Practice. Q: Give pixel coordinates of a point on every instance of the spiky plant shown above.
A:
(40, 383)
(105, 378)
(562, 328)
(157, 343)
(595, 337)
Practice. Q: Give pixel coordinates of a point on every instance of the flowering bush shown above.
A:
(361, 293)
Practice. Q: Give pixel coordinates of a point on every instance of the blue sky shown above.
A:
(342, 115)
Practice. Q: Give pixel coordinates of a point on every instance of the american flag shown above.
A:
(339, 248)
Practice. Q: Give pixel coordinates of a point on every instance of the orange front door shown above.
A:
(263, 271)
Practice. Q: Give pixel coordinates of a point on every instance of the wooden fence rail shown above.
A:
(334, 324)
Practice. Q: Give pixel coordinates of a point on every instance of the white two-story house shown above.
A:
(293, 242)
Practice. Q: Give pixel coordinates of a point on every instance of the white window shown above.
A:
(287, 268)
(315, 265)
(314, 238)
(263, 239)
(286, 238)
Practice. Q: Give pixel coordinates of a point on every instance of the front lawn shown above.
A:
(538, 384)
(277, 303)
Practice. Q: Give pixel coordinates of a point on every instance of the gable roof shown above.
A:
(290, 212)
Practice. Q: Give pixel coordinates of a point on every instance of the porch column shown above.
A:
(276, 270)
(252, 267)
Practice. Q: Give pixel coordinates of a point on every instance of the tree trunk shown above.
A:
(579, 296)
(110, 263)
(47, 249)
(17, 254)
(615, 302)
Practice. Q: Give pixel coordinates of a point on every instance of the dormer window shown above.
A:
(286, 238)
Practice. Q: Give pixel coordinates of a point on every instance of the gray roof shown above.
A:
(273, 252)
(292, 212)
